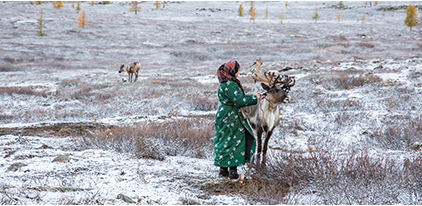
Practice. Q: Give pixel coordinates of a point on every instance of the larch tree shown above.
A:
(58, 4)
(40, 25)
(285, 4)
(157, 4)
(73, 4)
(253, 15)
(82, 20)
(266, 12)
(363, 18)
(78, 7)
(411, 17)
(340, 5)
(281, 17)
(250, 9)
(240, 10)
(338, 16)
(316, 15)
(134, 7)
(92, 3)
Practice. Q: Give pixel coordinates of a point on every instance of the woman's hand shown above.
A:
(258, 95)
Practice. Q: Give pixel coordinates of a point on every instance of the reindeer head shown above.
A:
(278, 85)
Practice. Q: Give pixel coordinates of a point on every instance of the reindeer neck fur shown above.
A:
(265, 114)
(270, 113)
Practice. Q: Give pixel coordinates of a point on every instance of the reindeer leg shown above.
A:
(265, 148)
(258, 154)
(136, 77)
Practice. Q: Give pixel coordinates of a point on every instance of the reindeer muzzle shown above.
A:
(287, 99)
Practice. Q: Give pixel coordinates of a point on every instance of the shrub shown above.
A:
(357, 178)
(396, 134)
(17, 90)
(187, 137)
(411, 17)
(366, 45)
(340, 80)
(240, 10)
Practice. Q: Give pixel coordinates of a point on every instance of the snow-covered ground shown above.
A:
(70, 76)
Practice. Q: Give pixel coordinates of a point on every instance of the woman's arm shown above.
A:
(235, 95)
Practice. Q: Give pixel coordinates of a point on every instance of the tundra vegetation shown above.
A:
(72, 133)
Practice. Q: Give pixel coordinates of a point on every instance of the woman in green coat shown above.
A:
(234, 142)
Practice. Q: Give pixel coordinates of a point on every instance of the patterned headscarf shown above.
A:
(228, 72)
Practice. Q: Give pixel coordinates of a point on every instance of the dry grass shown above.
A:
(343, 81)
(20, 90)
(9, 68)
(398, 134)
(348, 178)
(187, 137)
(365, 45)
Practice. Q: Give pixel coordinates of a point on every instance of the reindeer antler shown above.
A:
(286, 82)
(268, 77)
(271, 78)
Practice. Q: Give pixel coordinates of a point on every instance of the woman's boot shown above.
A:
(224, 172)
(233, 173)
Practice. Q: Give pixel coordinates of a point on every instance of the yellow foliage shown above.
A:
(253, 14)
(73, 4)
(240, 10)
(40, 25)
(340, 5)
(58, 4)
(338, 16)
(92, 3)
(78, 7)
(363, 18)
(250, 9)
(316, 15)
(281, 17)
(157, 4)
(411, 17)
(266, 12)
(134, 7)
(82, 20)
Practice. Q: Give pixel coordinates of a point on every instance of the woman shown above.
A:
(234, 143)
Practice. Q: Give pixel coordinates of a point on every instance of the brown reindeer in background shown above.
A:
(131, 69)
(265, 115)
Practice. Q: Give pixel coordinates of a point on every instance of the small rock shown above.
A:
(378, 67)
(15, 166)
(10, 153)
(125, 198)
(205, 197)
(45, 147)
(62, 158)
(64, 148)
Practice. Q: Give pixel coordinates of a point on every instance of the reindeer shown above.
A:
(130, 69)
(265, 115)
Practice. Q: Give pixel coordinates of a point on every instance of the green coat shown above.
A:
(231, 125)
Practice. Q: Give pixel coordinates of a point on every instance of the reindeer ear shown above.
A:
(264, 86)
